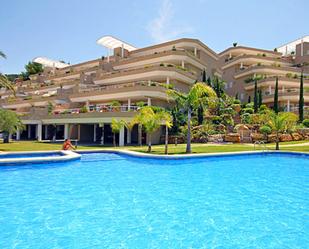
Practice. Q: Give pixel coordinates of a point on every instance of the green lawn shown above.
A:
(157, 149)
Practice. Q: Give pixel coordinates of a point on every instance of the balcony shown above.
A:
(267, 70)
(254, 59)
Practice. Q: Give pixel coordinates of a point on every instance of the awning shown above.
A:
(112, 43)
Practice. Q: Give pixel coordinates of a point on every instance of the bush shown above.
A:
(306, 122)
(236, 101)
(216, 120)
(265, 130)
(247, 110)
(246, 118)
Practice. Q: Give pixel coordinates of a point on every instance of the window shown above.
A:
(241, 96)
(307, 52)
(231, 84)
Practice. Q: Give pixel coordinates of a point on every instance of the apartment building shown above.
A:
(241, 65)
(79, 101)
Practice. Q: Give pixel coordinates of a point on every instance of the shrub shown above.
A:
(83, 109)
(245, 118)
(247, 110)
(236, 101)
(216, 120)
(306, 122)
(265, 129)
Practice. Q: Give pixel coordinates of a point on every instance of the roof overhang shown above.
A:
(112, 43)
(50, 63)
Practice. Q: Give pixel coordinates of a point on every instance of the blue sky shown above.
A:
(68, 29)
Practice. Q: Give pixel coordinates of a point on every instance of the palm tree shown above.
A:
(199, 94)
(10, 123)
(116, 126)
(4, 81)
(151, 120)
(281, 122)
(168, 122)
(129, 125)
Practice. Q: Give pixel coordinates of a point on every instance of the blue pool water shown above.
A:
(28, 155)
(114, 201)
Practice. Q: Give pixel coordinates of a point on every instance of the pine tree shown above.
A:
(260, 98)
(256, 104)
(276, 102)
(236, 96)
(301, 99)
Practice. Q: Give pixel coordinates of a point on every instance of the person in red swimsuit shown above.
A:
(67, 145)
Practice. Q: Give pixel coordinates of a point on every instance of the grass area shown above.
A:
(157, 149)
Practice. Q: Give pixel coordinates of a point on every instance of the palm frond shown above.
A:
(2, 55)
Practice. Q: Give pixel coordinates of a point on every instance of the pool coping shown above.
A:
(70, 155)
(185, 156)
(63, 157)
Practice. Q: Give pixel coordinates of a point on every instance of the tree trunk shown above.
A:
(277, 141)
(166, 140)
(114, 139)
(188, 149)
(140, 134)
(149, 143)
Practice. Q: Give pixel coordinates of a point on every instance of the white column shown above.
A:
(139, 134)
(29, 131)
(195, 51)
(288, 105)
(302, 48)
(94, 133)
(128, 136)
(241, 65)
(66, 131)
(46, 132)
(39, 132)
(129, 104)
(18, 134)
(149, 101)
(78, 132)
(122, 51)
(121, 136)
(183, 64)
(167, 80)
(269, 89)
(283, 89)
(149, 82)
(102, 136)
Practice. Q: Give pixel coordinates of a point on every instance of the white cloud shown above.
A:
(161, 28)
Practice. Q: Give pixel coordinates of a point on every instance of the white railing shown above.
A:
(98, 108)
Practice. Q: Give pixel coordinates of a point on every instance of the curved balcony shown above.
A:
(268, 70)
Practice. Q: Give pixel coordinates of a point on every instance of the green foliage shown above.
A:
(306, 122)
(216, 120)
(256, 96)
(33, 68)
(265, 129)
(115, 103)
(116, 125)
(301, 102)
(9, 122)
(276, 96)
(50, 107)
(84, 109)
(245, 118)
(247, 110)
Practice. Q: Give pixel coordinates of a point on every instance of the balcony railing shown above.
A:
(98, 108)
(123, 85)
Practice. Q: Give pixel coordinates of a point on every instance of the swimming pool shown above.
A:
(109, 200)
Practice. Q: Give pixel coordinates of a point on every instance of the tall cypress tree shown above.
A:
(249, 99)
(256, 104)
(301, 99)
(209, 81)
(260, 98)
(204, 76)
(276, 102)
